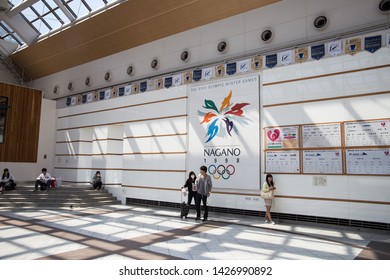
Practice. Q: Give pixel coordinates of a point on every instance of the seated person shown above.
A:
(97, 181)
(7, 182)
(43, 180)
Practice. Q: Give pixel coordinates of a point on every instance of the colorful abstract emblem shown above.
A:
(224, 120)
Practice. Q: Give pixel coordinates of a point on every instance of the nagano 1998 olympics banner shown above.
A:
(224, 132)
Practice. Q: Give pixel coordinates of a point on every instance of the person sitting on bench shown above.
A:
(43, 180)
(7, 182)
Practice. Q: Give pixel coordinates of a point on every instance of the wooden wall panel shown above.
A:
(23, 121)
(128, 25)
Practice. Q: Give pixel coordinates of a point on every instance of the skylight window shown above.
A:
(6, 33)
(46, 16)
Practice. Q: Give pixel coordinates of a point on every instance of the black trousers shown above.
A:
(190, 196)
(43, 185)
(198, 199)
(8, 186)
(97, 185)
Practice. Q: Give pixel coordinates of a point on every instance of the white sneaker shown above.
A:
(273, 222)
(266, 221)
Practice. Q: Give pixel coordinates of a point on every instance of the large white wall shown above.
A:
(138, 142)
(337, 95)
(154, 135)
(143, 138)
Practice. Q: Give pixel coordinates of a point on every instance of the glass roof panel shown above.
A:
(45, 15)
(3, 33)
(40, 7)
(78, 7)
(29, 14)
(40, 26)
(52, 21)
(8, 34)
(62, 16)
(95, 4)
(51, 4)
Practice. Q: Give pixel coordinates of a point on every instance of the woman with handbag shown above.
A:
(267, 193)
(191, 187)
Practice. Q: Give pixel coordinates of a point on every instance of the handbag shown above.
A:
(267, 195)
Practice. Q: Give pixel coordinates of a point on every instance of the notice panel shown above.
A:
(371, 161)
(281, 137)
(323, 161)
(321, 135)
(367, 133)
(282, 161)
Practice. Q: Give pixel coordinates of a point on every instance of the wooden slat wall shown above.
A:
(22, 127)
(123, 27)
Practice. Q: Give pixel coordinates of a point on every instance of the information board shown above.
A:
(321, 135)
(323, 161)
(282, 137)
(367, 133)
(370, 161)
(282, 161)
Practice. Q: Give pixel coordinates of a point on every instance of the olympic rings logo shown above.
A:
(221, 171)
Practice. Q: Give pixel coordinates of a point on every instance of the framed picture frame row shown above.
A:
(338, 148)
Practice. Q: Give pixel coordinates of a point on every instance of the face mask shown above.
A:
(192, 176)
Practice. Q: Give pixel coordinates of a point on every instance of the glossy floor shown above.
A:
(136, 232)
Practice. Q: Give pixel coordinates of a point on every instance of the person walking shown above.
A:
(191, 187)
(204, 186)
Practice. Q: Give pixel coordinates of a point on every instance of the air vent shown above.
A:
(222, 47)
(154, 64)
(185, 56)
(107, 76)
(56, 90)
(87, 81)
(130, 70)
(384, 6)
(320, 22)
(267, 35)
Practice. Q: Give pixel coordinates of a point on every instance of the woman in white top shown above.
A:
(7, 181)
(267, 187)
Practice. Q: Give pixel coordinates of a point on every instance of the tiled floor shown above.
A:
(124, 232)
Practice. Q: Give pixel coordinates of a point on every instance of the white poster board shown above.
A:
(367, 133)
(323, 161)
(224, 131)
(282, 161)
(321, 135)
(370, 161)
(281, 137)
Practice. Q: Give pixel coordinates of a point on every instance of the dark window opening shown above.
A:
(3, 117)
